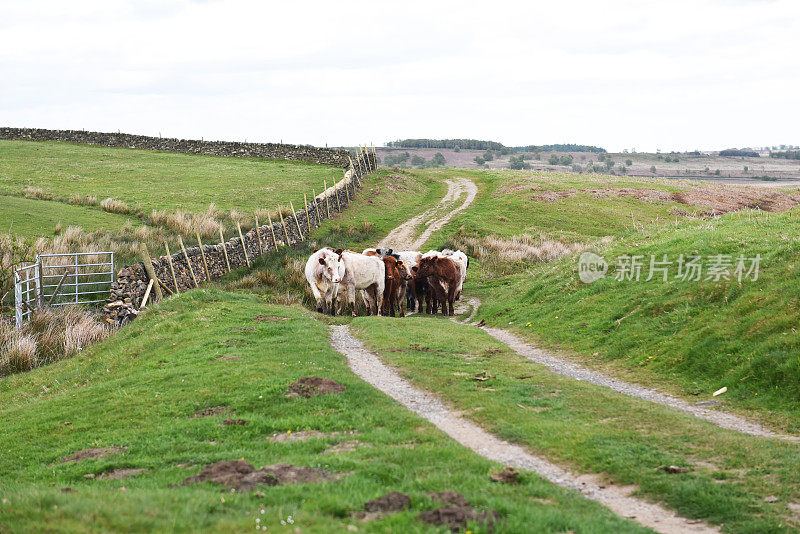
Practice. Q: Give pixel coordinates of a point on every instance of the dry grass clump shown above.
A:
(113, 205)
(37, 193)
(51, 335)
(88, 200)
(187, 224)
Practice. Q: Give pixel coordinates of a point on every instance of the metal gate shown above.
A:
(62, 280)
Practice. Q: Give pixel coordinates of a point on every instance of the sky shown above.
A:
(644, 75)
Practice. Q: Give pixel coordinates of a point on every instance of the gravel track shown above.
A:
(618, 499)
(567, 368)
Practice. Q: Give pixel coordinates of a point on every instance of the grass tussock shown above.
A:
(37, 193)
(52, 334)
(205, 223)
(83, 200)
(113, 205)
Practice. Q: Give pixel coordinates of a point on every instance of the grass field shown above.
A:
(146, 180)
(141, 388)
(33, 217)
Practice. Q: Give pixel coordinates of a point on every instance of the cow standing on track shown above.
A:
(367, 273)
(397, 278)
(443, 276)
(324, 272)
(462, 262)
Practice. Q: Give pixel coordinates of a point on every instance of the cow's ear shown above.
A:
(414, 269)
(389, 252)
(322, 261)
(339, 251)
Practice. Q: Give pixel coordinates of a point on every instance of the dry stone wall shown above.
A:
(322, 156)
(129, 289)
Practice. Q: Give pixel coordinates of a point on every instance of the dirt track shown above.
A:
(618, 499)
(403, 237)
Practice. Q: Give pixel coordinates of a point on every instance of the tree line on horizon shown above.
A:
(477, 144)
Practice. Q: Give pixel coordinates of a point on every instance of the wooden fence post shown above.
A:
(272, 229)
(244, 248)
(224, 248)
(325, 194)
(258, 235)
(283, 224)
(185, 255)
(203, 254)
(148, 267)
(308, 214)
(294, 213)
(147, 294)
(336, 194)
(316, 207)
(172, 270)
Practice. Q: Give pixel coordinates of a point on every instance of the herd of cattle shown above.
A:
(386, 280)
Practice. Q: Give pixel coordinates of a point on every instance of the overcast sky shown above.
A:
(674, 75)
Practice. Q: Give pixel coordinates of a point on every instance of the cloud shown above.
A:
(680, 75)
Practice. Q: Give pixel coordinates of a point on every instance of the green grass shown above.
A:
(157, 180)
(33, 217)
(594, 429)
(140, 389)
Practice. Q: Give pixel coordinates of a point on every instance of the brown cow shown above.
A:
(443, 277)
(394, 289)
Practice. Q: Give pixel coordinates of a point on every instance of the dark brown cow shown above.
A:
(443, 277)
(394, 290)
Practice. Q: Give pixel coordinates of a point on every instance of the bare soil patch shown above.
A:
(93, 454)
(213, 410)
(269, 318)
(234, 422)
(449, 497)
(456, 517)
(346, 446)
(391, 502)
(309, 386)
(717, 199)
(508, 475)
(118, 474)
(242, 476)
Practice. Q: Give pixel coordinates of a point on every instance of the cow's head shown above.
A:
(426, 266)
(402, 270)
(332, 266)
(384, 251)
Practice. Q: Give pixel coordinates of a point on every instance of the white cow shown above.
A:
(367, 273)
(325, 270)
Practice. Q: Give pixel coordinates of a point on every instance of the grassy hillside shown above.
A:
(33, 217)
(208, 348)
(689, 337)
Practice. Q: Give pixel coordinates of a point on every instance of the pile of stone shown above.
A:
(127, 293)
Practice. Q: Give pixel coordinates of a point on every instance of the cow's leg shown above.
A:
(317, 297)
(351, 298)
(451, 297)
(442, 296)
(410, 294)
(401, 300)
(380, 286)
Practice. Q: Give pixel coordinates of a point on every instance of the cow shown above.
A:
(324, 272)
(367, 273)
(462, 261)
(397, 278)
(442, 275)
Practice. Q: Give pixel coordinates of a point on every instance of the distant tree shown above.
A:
(417, 161)
(735, 152)
(609, 164)
(488, 156)
(577, 168)
(537, 155)
(438, 160)
(628, 162)
(601, 157)
(566, 159)
(716, 172)
(668, 159)
(675, 159)
(470, 144)
(789, 154)
(505, 151)
(457, 149)
(746, 169)
(660, 156)
(518, 163)
(553, 160)
(480, 161)
(707, 170)
(623, 169)
(653, 169)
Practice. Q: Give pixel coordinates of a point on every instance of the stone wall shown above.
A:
(322, 156)
(128, 290)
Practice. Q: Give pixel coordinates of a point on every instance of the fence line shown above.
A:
(187, 268)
